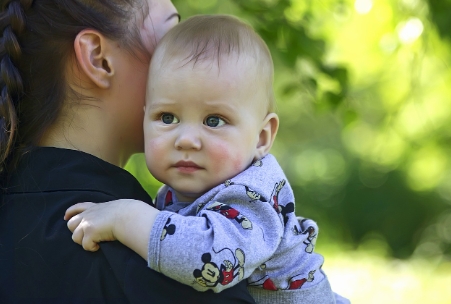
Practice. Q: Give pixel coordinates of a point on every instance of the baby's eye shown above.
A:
(168, 119)
(214, 121)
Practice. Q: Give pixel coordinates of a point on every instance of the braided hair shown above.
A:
(36, 42)
(11, 85)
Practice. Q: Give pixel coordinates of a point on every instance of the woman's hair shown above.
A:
(37, 39)
(211, 37)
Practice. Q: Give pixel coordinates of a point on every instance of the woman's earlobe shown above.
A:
(91, 51)
(267, 135)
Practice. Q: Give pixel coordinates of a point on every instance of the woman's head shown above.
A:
(38, 45)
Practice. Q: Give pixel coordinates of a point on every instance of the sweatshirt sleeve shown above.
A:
(230, 236)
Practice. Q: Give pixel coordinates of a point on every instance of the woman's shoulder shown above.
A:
(45, 170)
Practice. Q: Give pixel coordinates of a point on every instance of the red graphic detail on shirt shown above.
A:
(269, 285)
(230, 213)
(228, 276)
(276, 203)
(168, 199)
(275, 196)
(297, 284)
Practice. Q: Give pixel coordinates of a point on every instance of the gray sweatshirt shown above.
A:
(244, 228)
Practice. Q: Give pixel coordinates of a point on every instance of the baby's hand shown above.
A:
(126, 220)
(92, 223)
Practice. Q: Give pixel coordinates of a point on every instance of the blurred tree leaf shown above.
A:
(440, 16)
(332, 99)
(290, 41)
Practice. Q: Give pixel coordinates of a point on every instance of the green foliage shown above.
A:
(440, 16)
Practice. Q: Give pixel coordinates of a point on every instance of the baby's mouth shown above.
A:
(187, 166)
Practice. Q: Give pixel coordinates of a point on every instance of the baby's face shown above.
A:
(202, 124)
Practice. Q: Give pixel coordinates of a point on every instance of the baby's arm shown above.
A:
(229, 238)
(125, 220)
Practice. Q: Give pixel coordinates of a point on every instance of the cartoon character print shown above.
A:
(284, 210)
(200, 206)
(295, 282)
(231, 213)
(275, 195)
(211, 275)
(257, 163)
(254, 195)
(311, 233)
(169, 229)
(228, 183)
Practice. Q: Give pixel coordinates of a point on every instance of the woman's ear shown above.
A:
(267, 135)
(91, 51)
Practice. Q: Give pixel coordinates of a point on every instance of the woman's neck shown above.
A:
(88, 131)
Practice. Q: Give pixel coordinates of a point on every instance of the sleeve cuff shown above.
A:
(154, 242)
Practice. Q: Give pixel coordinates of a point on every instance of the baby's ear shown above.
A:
(267, 135)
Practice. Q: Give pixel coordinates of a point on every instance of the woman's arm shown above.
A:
(126, 220)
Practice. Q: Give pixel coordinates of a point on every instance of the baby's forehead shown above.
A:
(229, 74)
(223, 65)
(241, 71)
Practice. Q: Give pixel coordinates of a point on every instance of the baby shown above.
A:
(226, 209)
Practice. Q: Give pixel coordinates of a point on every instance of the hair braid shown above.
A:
(12, 23)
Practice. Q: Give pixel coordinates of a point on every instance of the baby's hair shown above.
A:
(211, 37)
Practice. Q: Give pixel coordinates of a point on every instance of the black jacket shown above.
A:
(39, 262)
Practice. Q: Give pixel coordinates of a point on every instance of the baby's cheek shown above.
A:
(227, 159)
(154, 150)
(151, 147)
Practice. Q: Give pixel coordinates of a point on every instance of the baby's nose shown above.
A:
(188, 139)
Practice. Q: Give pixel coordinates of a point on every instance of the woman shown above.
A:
(72, 93)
